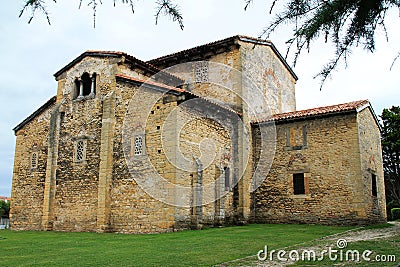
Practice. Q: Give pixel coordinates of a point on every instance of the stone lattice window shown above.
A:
(138, 145)
(201, 72)
(80, 151)
(34, 160)
(298, 184)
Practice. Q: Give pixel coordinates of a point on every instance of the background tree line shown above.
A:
(391, 157)
(4, 209)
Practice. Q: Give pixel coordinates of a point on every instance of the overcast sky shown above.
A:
(32, 53)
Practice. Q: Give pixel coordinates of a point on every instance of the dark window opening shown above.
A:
(374, 187)
(87, 84)
(77, 88)
(227, 178)
(298, 184)
(84, 86)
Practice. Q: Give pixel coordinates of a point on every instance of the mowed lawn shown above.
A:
(187, 248)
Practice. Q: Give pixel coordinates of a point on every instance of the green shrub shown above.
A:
(4, 209)
(389, 206)
(395, 212)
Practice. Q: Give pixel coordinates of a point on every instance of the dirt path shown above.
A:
(324, 243)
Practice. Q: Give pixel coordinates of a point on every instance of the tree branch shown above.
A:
(35, 5)
(167, 8)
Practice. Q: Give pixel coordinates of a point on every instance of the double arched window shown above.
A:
(85, 86)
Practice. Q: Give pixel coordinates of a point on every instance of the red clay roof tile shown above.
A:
(313, 112)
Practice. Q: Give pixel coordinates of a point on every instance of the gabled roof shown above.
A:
(176, 90)
(35, 113)
(197, 53)
(149, 83)
(355, 106)
(135, 62)
(313, 112)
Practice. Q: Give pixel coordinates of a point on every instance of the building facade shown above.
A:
(205, 136)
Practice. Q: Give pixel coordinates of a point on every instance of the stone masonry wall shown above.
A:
(217, 78)
(76, 205)
(28, 182)
(206, 140)
(76, 191)
(327, 151)
(371, 163)
(266, 73)
(132, 209)
(75, 202)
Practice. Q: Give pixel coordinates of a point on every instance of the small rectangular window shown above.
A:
(34, 160)
(298, 184)
(374, 187)
(80, 151)
(138, 145)
(227, 179)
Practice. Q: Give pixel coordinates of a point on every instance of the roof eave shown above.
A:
(82, 56)
(35, 114)
(169, 89)
(369, 106)
(147, 85)
(304, 118)
(274, 49)
(224, 42)
(197, 50)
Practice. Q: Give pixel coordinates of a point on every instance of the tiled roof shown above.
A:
(5, 198)
(35, 113)
(149, 82)
(137, 63)
(317, 112)
(175, 89)
(188, 54)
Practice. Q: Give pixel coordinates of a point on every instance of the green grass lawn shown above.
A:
(186, 248)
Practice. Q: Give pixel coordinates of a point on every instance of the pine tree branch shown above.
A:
(34, 6)
(394, 60)
(248, 2)
(346, 23)
(167, 8)
(164, 7)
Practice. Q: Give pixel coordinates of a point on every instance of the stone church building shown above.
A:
(203, 137)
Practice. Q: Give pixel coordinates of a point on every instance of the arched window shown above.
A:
(85, 86)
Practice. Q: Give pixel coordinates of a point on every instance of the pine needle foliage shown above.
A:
(347, 23)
